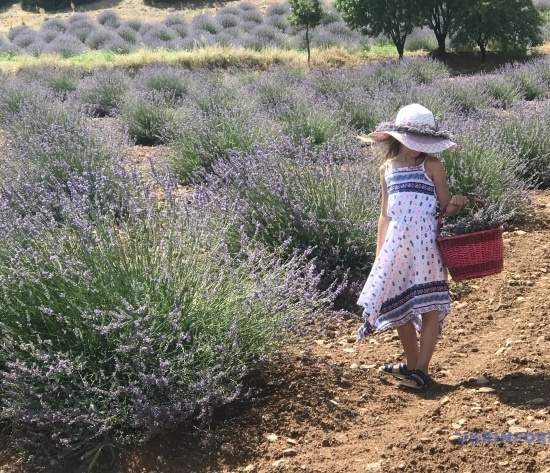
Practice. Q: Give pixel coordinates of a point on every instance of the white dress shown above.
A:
(408, 277)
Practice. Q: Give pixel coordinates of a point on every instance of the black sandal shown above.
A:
(417, 380)
(398, 370)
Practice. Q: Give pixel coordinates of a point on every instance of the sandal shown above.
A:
(398, 370)
(417, 380)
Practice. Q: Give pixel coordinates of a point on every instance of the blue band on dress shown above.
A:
(412, 187)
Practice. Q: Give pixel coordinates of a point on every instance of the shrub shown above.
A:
(441, 105)
(97, 39)
(363, 112)
(467, 96)
(421, 39)
(313, 122)
(225, 38)
(119, 45)
(50, 144)
(277, 9)
(424, 71)
(227, 20)
(160, 36)
(253, 16)
(541, 69)
(66, 45)
(502, 91)
(127, 34)
(102, 93)
(305, 196)
(48, 36)
(182, 30)
(527, 132)
(14, 94)
(24, 40)
(81, 29)
(214, 134)
(525, 79)
(168, 334)
(134, 23)
(164, 81)
(247, 6)
(54, 24)
(230, 10)
(18, 30)
(172, 20)
(205, 23)
(265, 36)
(109, 19)
(62, 83)
(279, 22)
(484, 166)
(276, 90)
(147, 117)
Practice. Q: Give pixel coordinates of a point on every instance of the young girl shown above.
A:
(407, 286)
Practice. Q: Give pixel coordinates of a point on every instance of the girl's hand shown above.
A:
(458, 201)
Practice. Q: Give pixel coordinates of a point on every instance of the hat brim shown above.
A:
(420, 143)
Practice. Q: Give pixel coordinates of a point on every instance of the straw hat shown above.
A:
(416, 128)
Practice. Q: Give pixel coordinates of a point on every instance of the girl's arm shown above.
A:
(383, 219)
(451, 204)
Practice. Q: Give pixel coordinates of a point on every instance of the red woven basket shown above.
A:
(472, 255)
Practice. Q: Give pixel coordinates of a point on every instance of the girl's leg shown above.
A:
(409, 340)
(428, 339)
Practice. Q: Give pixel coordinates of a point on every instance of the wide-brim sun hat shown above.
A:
(416, 128)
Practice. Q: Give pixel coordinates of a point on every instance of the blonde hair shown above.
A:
(389, 148)
(386, 149)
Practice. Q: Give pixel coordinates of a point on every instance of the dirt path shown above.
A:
(329, 411)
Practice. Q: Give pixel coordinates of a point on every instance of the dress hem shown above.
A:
(368, 329)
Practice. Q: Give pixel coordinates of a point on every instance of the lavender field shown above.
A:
(165, 230)
(242, 25)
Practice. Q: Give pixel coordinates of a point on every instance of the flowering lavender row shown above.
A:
(124, 310)
(242, 25)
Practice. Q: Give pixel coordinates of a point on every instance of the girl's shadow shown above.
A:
(520, 390)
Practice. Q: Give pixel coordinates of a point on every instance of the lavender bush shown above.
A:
(503, 92)
(484, 166)
(322, 197)
(147, 116)
(102, 93)
(524, 77)
(212, 134)
(133, 328)
(166, 81)
(527, 132)
(48, 144)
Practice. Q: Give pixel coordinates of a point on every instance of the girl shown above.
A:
(407, 286)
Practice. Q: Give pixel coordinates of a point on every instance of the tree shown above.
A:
(506, 24)
(307, 13)
(440, 17)
(393, 18)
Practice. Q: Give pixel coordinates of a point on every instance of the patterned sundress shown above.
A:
(408, 277)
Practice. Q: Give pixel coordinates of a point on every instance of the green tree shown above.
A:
(440, 16)
(505, 24)
(394, 18)
(306, 13)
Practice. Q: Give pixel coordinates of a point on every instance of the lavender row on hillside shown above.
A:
(243, 25)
